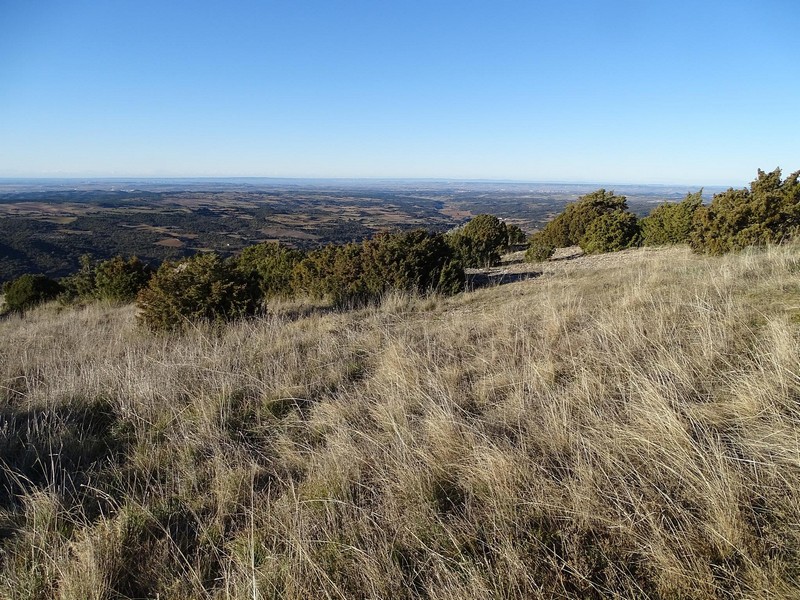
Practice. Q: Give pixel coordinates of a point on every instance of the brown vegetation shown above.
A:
(624, 430)
(170, 243)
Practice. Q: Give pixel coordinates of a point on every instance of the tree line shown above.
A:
(209, 287)
(767, 212)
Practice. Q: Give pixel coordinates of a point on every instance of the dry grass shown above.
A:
(624, 429)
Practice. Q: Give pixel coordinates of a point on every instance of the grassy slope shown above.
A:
(620, 426)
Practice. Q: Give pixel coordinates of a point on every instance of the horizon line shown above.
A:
(100, 178)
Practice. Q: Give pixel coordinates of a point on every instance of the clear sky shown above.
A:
(640, 91)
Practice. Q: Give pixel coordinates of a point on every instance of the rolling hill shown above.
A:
(623, 425)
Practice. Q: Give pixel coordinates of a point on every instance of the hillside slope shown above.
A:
(621, 427)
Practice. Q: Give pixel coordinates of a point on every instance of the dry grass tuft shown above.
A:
(622, 426)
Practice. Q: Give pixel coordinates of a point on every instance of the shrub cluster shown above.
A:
(569, 227)
(671, 222)
(415, 261)
(26, 291)
(611, 232)
(767, 212)
(115, 279)
(334, 273)
(514, 236)
(598, 222)
(121, 280)
(208, 288)
(539, 248)
(201, 288)
(79, 285)
(483, 239)
(272, 265)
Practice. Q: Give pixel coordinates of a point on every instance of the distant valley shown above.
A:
(46, 225)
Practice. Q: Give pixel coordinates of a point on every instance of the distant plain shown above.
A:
(47, 224)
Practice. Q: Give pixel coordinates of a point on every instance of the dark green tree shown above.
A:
(26, 291)
(569, 227)
(121, 280)
(539, 248)
(514, 236)
(201, 288)
(415, 261)
(480, 242)
(81, 284)
(671, 222)
(611, 232)
(767, 212)
(334, 273)
(272, 264)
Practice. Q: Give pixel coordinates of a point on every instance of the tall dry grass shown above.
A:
(618, 427)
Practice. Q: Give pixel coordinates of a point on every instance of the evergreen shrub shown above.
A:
(354, 274)
(767, 212)
(79, 285)
(333, 273)
(272, 265)
(611, 232)
(121, 280)
(571, 225)
(480, 242)
(201, 288)
(514, 236)
(415, 261)
(26, 291)
(539, 250)
(671, 222)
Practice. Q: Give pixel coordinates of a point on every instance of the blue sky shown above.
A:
(589, 91)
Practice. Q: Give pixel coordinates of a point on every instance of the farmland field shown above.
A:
(46, 227)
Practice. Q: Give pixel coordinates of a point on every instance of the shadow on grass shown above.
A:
(60, 449)
(480, 280)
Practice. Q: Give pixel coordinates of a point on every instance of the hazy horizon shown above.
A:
(255, 179)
